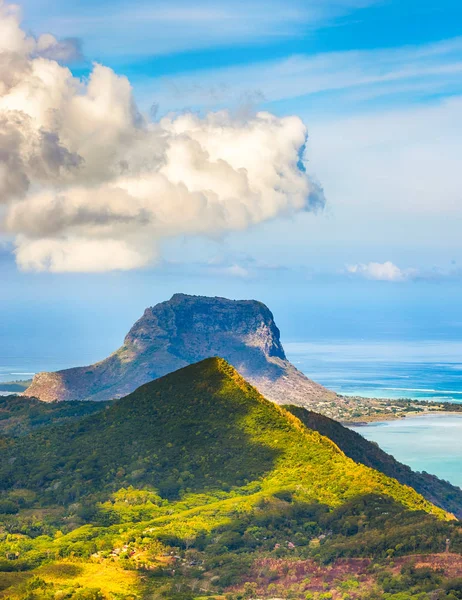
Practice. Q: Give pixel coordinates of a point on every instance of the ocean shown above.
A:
(431, 443)
(426, 370)
(423, 370)
(19, 369)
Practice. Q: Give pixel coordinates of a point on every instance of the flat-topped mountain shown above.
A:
(180, 332)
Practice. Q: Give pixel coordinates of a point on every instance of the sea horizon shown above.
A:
(419, 369)
(415, 369)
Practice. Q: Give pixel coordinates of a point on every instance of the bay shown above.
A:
(431, 443)
(422, 370)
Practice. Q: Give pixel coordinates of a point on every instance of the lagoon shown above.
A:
(431, 443)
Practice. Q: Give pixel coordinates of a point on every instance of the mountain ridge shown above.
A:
(208, 421)
(190, 481)
(439, 492)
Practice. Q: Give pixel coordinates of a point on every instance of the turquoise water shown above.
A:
(424, 370)
(429, 443)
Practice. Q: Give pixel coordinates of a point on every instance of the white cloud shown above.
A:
(66, 50)
(14, 40)
(76, 255)
(386, 271)
(385, 140)
(237, 271)
(89, 184)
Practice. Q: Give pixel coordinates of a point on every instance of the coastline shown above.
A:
(350, 411)
(390, 418)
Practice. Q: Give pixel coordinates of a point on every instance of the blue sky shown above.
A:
(378, 85)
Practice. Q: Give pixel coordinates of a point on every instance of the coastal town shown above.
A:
(360, 411)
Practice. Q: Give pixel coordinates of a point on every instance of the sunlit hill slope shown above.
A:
(197, 461)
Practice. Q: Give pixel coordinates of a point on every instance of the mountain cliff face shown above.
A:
(182, 331)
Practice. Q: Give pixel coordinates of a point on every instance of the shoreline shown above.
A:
(391, 418)
(359, 411)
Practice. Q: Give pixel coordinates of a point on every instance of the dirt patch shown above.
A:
(273, 578)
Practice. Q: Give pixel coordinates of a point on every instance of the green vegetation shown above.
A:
(428, 405)
(181, 488)
(201, 429)
(367, 453)
(20, 415)
(360, 411)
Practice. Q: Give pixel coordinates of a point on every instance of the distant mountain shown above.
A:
(354, 445)
(182, 331)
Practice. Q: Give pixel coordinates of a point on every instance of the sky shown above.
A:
(304, 153)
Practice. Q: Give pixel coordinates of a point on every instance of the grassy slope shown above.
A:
(218, 454)
(362, 451)
(20, 415)
(202, 428)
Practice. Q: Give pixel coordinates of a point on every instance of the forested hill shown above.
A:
(20, 415)
(200, 428)
(187, 485)
(354, 445)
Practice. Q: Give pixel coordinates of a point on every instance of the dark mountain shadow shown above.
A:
(191, 430)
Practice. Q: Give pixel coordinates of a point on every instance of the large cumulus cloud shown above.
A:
(88, 183)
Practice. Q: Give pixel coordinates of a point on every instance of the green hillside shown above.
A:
(185, 484)
(441, 493)
(202, 428)
(20, 415)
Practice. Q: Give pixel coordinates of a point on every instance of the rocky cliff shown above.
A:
(182, 331)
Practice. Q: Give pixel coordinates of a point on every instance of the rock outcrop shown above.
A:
(182, 331)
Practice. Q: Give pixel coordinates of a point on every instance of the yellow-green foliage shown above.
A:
(202, 429)
(441, 493)
(107, 576)
(189, 454)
